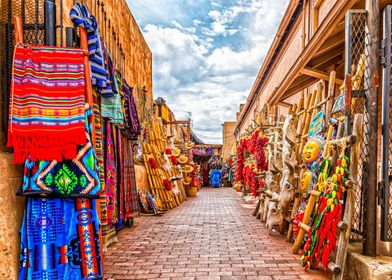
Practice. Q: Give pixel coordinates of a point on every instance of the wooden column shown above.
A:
(371, 80)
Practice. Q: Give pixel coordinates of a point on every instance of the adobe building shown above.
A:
(315, 38)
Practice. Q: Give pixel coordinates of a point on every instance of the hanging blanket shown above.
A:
(60, 240)
(47, 119)
(74, 178)
(109, 232)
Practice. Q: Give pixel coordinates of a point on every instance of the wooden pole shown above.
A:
(371, 129)
(89, 100)
(18, 33)
(349, 209)
(308, 212)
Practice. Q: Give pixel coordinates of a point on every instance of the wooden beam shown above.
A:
(285, 104)
(332, 42)
(317, 60)
(298, 87)
(318, 74)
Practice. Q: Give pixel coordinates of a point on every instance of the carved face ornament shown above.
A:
(304, 182)
(311, 151)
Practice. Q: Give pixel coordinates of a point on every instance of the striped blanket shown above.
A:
(47, 119)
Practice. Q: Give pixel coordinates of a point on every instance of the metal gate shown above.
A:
(32, 15)
(385, 199)
(355, 90)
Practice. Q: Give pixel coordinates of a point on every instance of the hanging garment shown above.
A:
(215, 178)
(111, 106)
(131, 116)
(120, 180)
(47, 120)
(132, 200)
(73, 178)
(81, 17)
(60, 240)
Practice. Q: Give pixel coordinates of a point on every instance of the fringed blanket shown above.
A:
(60, 240)
(73, 178)
(47, 119)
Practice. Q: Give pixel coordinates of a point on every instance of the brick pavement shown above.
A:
(212, 236)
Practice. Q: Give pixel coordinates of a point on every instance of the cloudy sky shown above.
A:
(206, 54)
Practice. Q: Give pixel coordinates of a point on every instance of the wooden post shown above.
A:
(344, 235)
(371, 81)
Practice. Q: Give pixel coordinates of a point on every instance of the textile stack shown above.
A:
(72, 123)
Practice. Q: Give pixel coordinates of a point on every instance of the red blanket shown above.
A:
(47, 104)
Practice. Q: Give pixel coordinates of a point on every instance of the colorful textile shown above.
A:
(111, 176)
(317, 124)
(60, 240)
(215, 178)
(132, 201)
(127, 173)
(131, 116)
(108, 231)
(339, 103)
(111, 106)
(75, 178)
(47, 119)
(111, 88)
(81, 17)
(120, 180)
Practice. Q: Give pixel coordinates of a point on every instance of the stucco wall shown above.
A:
(138, 57)
(228, 138)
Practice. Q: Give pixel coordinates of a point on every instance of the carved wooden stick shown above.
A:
(308, 212)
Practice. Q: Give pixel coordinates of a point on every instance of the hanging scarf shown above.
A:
(47, 120)
(81, 17)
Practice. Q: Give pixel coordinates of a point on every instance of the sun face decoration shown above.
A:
(311, 151)
(305, 181)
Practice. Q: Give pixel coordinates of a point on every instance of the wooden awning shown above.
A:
(325, 50)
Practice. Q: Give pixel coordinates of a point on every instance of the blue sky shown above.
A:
(206, 54)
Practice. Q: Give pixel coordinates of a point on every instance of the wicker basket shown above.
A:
(193, 191)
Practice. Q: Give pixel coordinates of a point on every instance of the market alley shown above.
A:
(212, 236)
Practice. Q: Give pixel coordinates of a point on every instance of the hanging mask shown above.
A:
(312, 151)
(305, 181)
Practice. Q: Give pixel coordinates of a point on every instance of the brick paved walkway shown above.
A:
(212, 236)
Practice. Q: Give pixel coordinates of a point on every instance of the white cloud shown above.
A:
(195, 74)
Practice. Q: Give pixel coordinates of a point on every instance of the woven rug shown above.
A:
(108, 230)
(70, 178)
(47, 103)
(60, 240)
